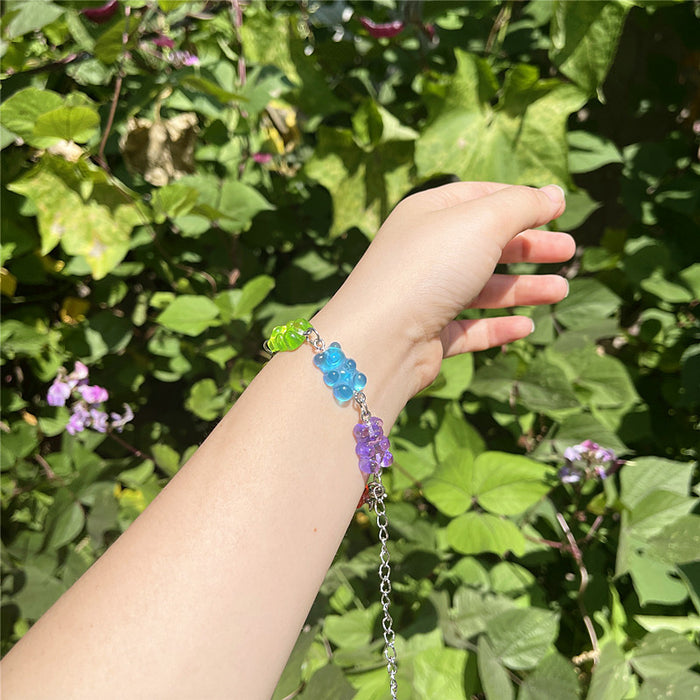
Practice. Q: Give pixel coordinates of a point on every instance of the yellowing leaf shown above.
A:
(78, 206)
(163, 150)
(73, 310)
(8, 283)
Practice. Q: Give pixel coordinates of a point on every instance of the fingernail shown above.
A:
(532, 323)
(568, 287)
(554, 192)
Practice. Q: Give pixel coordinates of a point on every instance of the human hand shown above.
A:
(435, 256)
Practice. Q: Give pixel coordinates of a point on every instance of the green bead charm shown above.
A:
(289, 336)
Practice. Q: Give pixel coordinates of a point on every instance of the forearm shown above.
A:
(206, 592)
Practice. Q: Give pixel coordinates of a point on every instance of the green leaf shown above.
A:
(474, 533)
(206, 400)
(450, 487)
(190, 314)
(353, 629)
(39, 592)
(521, 637)
(679, 541)
(646, 475)
(683, 686)
(455, 433)
(455, 376)
(19, 113)
(329, 682)
(508, 484)
(494, 678)
(588, 301)
(585, 36)
(252, 295)
(657, 623)
(611, 677)
(590, 151)
(291, 678)
(657, 510)
(64, 521)
(545, 387)
(173, 200)
(664, 653)
(439, 673)
(77, 124)
(527, 128)
(654, 581)
(364, 186)
(555, 677)
(31, 16)
(166, 458)
(579, 206)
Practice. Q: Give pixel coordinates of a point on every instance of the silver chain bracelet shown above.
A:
(341, 375)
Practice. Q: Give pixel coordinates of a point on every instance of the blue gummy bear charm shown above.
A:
(340, 373)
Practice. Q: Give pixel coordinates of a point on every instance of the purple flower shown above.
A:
(183, 58)
(569, 475)
(164, 41)
(58, 393)
(118, 422)
(98, 420)
(587, 460)
(93, 394)
(262, 158)
(80, 372)
(79, 420)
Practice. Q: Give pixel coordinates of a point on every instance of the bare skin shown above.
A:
(205, 594)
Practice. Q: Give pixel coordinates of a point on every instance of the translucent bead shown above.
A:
(342, 392)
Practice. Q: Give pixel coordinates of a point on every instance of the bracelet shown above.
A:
(373, 448)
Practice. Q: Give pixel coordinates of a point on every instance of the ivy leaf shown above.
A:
(474, 533)
(521, 637)
(494, 678)
(585, 36)
(190, 314)
(364, 186)
(527, 127)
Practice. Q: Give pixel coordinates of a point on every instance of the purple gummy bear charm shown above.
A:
(373, 448)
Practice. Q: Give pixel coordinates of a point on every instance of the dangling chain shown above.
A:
(341, 375)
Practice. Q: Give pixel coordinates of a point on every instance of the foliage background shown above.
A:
(159, 218)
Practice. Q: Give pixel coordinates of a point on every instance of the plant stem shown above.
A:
(130, 447)
(115, 97)
(583, 573)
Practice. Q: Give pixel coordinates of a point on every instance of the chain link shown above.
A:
(375, 501)
(378, 494)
